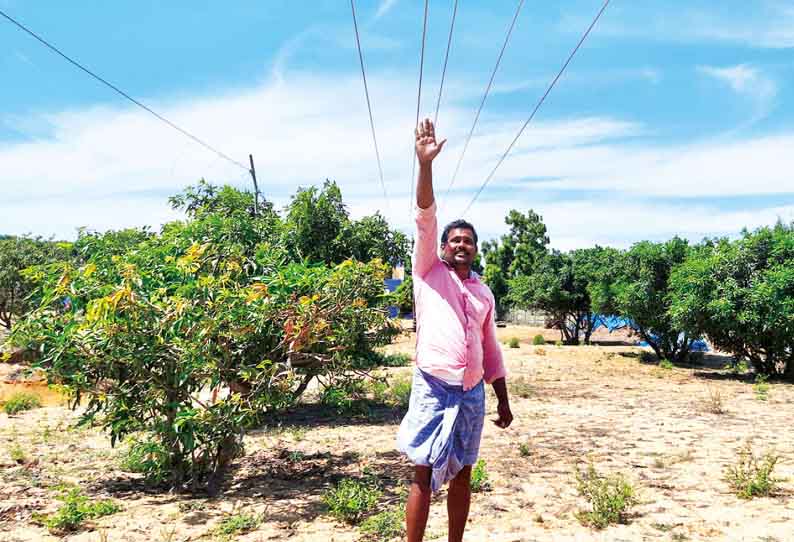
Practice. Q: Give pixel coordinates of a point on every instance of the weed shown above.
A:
(540, 351)
(237, 524)
(296, 456)
(714, 402)
(679, 537)
(558, 343)
(351, 499)
(400, 391)
(524, 449)
(513, 342)
(20, 402)
(76, 509)
(751, 476)
(345, 398)
(146, 457)
(538, 340)
(761, 387)
(395, 360)
(666, 364)
(609, 496)
(738, 367)
(479, 477)
(192, 506)
(664, 527)
(521, 387)
(17, 453)
(385, 525)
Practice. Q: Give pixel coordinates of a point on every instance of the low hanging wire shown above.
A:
(369, 105)
(446, 59)
(484, 97)
(418, 102)
(534, 111)
(122, 93)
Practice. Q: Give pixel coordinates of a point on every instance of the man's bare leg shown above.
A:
(458, 501)
(418, 506)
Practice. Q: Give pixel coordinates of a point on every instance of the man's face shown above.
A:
(460, 248)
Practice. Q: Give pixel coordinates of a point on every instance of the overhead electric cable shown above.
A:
(446, 58)
(369, 105)
(418, 102)
(484, 97)
(540, 102)
(122, 93)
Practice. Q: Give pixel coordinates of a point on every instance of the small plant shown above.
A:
(479, 477)
(351, 499)
(538, 340)
(666, 364)
(237, 524)
(344, 398)
(539, 351)
(761, 387)
(610, 497)
(400, 391)
(738, 367)
(394, 360)
(385, 525)
(558, 343)
(714, 403)
(17, 453)
(752, 476)
(76, 509)
(513, 342)
(524, 449)
(522, 387)
(146, 457)
(20, 402)
(296, 456)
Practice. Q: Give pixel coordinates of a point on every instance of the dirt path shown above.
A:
(599, 404)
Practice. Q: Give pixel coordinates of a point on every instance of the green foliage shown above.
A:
(385, 525)
(610, 497)
(210, 303)
(761, 387)
(17, 452)
(351, 499)
(515, 254)
(538, 340)
(752, 476)
(144, 455)
(479, 477)
(741, 295)
(20, 402)
(344, 397)
(558, 343)
(75, 510)
(666, 364)
(16, 255)
(400, 391)
(403, 296)
(641, 292)
(237, 524)
(525, 449)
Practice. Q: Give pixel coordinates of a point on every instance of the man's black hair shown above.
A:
(459, 223)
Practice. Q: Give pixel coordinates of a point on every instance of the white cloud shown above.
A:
(745, 80)
(384, 7)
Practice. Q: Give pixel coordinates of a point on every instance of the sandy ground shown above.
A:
(587, 403)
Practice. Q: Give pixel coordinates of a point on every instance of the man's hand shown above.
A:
(426, 147)
(505, 415)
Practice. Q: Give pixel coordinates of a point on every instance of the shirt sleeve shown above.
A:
(493, 361)
(425, 249)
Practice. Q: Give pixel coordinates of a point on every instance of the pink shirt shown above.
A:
(455, 327)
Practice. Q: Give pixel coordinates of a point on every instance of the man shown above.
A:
(456, 350)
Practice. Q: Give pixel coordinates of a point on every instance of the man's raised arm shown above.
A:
(425, 249)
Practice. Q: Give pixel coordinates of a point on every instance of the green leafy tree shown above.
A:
(17, 254)
(517, 253)
(741, 295)
(370, 238)
(640, 293)
(194, 334)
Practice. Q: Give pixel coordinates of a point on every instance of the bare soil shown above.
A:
(599, 404)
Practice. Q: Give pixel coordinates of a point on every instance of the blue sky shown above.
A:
(676, 117)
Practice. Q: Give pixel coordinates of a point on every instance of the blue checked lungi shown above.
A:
(443, 426)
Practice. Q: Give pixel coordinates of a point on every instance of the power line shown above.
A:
(540, 102)
(418, 102)
(446, 58)
(122, 93)
(369, 106)
(484, 97)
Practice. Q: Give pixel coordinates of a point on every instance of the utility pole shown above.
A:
(252, 171)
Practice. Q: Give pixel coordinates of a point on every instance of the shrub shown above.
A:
(400, 391)
(666, 364)
(540, 351)
(610, 497)
(538, 340)
(751, 476)
(17, 453)
(344, 398)
(20, 402)
(521, 387)
(237, 524)
(385, 525)
(479, 477)
(524, 449)
(761, 387)
(714, 403)
(351, 499)
(558, 343)
(513, 342)
(76, 509)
